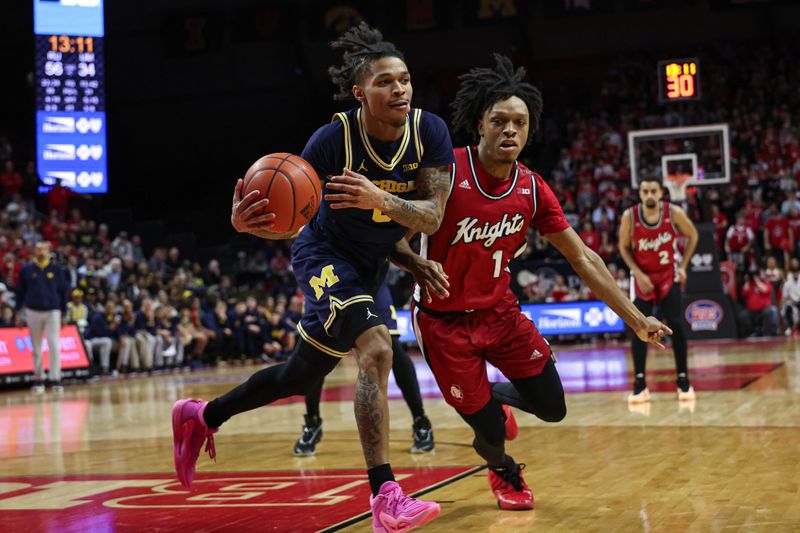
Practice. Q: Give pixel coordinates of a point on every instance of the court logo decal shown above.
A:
(263, 501)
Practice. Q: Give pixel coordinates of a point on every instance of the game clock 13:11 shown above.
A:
(70, 94)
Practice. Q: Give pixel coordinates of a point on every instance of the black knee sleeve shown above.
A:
(488, 423)
(406, 377)
(543, 395)
(305, 369)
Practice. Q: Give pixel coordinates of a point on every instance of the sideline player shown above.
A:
(404, 374)
(474, 317)
(647, 233)
(400, 156)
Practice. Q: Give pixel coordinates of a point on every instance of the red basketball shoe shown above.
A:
(510, 489)
(512, 430)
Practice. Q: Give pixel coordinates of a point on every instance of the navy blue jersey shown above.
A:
(340, 257)
(393, 167)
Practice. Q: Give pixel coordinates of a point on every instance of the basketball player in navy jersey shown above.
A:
(404, 374)
(386, 165)
(474, 317)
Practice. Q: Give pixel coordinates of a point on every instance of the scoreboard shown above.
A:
(678, 79)
(70, 94)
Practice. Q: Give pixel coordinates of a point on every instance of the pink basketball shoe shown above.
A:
(394, 512)
(189, 431)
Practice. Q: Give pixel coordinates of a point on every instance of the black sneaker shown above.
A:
(423, 435)
(685, 389)
(306, 445)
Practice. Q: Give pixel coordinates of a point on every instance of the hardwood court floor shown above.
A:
(100, 457)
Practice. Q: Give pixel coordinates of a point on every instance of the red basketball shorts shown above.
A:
(457, 348)
(662, 283)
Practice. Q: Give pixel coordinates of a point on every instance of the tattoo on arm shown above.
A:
(369, 418)
(424, 214)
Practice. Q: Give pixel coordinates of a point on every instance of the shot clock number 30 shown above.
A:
(678, 79)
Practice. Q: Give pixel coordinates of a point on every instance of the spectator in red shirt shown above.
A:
(58, 198)
(590, 236)
(11, 181)
(720, 225)
(759, 316)
(11, 270)
(607, 248)
(776, 235)
(561, 292)
(739, 242)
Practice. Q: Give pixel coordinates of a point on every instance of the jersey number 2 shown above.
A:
(664, 257)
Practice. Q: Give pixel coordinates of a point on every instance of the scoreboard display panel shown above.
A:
(679, 79)
(70, 94)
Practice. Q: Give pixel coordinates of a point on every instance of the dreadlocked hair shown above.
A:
(362, 45)
(481, 88)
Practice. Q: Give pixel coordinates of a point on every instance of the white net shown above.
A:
(677, 185)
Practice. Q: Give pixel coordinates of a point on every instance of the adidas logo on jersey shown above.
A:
(536, 354)
(464, 185)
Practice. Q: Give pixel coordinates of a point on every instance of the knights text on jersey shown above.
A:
(484, 227)
(654, 245)
(344, 143)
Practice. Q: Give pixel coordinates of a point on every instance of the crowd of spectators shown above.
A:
(751, 87)
(142, 311)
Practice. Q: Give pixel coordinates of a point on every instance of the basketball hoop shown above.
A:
(677, 184)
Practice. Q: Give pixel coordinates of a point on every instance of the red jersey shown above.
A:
(738, 237)
(720, 227)
(794, 226)
(484, 226)
(778, 230)
(654, 249)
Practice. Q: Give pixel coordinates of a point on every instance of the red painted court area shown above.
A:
(264, 501)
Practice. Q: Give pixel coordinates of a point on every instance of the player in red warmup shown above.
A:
(647, 233)
(470, 316)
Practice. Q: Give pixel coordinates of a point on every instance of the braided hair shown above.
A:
(362, 45)
(481, 88)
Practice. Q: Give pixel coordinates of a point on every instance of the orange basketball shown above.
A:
(292, 186)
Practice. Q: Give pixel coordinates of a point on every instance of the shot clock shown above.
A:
(678, 79)
(70, 94)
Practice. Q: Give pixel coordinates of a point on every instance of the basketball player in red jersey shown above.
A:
(470, 316)
(647, 233)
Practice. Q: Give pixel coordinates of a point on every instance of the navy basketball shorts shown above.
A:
(383, 301)
(339, 301)
(457, 348)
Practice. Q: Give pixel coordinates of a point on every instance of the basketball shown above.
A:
(292, 186)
